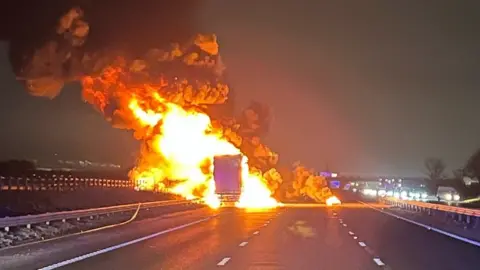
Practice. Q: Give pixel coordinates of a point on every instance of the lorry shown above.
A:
(227, 173)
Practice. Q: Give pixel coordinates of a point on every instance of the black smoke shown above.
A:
(132, 26)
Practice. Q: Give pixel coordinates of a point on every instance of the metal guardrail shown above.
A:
(51, 180)
(466, 217)
(46, 218)
(445, 208)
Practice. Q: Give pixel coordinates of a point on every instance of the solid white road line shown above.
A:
(243, 244)
(257, 232)
(223, 261)
(463, 239)
(112, 248)
(362, 244)
(378, 262)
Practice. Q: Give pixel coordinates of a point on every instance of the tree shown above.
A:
(458, 173)
(435, 172)
(16, 166)
(473, 165)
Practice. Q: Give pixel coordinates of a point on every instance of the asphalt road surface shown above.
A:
(350, 238)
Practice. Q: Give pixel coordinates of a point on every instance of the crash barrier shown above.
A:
(470, 218)
(10, 222)
(60, 181)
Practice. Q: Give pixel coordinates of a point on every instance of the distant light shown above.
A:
(334, 174)
(370, 192)
(456, 197)
(399, 185)
(424, 195)
(448, 197)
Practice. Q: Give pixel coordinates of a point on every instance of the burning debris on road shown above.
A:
(165, 95)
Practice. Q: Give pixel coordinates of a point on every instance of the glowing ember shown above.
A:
(333, 200)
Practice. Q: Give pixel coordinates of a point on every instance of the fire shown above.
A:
(255, 194)
(183, 144)
(333, 200)
(163, 96)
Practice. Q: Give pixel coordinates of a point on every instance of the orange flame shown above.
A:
(163, 96)
(333, 200)
(183, 144)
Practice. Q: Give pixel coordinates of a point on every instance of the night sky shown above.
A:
(368, 86)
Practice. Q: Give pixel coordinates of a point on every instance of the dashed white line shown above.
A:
(243, 244)
(223, 261)
(257, 232)
(378, 262)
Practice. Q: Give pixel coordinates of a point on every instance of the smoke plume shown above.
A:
(131, 61)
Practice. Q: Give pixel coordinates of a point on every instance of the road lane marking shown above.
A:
(112, 248)
(355, 237)
(243, 244)
(378, 262)
(369, 251)
(362, 244)
(454, 236)
(351, 233)
(223, 261)
(344, 225)
(257, 232)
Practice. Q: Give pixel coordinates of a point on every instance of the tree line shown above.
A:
(15, 166)
(437, 175)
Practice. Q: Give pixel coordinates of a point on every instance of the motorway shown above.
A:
(349, 237)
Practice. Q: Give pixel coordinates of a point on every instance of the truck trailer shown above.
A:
(227, 174)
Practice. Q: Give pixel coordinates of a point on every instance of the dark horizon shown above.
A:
(368, 88)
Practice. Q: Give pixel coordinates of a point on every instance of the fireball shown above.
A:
(163, 97)
(179, 159)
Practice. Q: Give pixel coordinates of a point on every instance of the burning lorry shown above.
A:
(227, 173)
